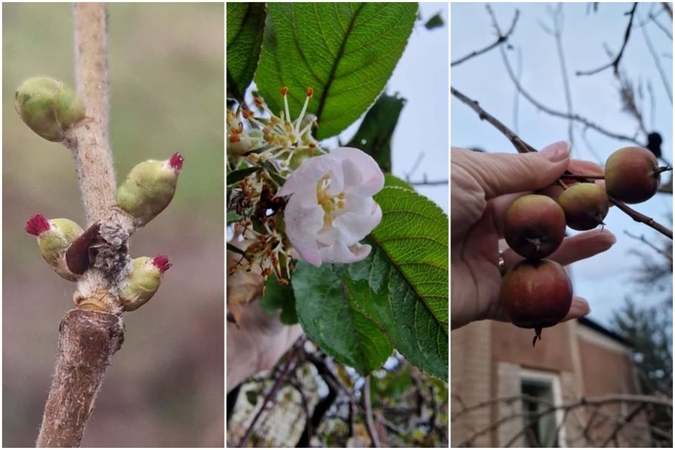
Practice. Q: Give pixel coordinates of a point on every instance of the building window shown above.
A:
(541, 391)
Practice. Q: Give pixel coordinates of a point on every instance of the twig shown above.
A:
(582, 402)
(659, 25)
(426, 182)
(621, 423)
(288, 361)
(667, 255)
(617, 59)
(87, 339)
(668, 9)
(659, 69)
(91, 146)
(523, 147)
(557, 17)
(575, 117)
(368, 413)
(501, 38)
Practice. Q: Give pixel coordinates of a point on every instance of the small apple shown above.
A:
(534, 226)
(585, 205)
(632, 174)
(536, 294)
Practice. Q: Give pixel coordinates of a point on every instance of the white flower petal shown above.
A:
(331, 231)
(302, 226)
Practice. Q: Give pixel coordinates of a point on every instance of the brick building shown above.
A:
(574, 360)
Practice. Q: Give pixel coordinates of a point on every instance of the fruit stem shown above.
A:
(537, 335)
(663, 169)
(574, 176)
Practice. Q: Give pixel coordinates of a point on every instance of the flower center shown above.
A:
(331, 204)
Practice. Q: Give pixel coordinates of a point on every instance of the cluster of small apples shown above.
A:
(50, 108)
(537, 292)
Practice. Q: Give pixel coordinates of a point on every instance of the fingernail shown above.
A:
(556, 152)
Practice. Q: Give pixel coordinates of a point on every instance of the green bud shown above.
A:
(48, 107)
(149, 188)
(143, 282)
(54, 237)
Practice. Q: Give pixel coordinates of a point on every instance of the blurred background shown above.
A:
(165, 387)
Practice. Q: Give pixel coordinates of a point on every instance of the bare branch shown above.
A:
(90, 143)
(617, 59)
(557, 16)
(501, 38)
(575, 117)
(426, 182)
(657, 63)
(668, 9)
(88, 339)
(368, 413)
(288, 362)
(641, 238)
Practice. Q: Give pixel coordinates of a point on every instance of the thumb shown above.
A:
(504, 173)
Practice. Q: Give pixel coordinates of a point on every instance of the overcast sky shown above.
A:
(604, 280)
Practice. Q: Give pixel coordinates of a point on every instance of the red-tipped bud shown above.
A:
(37, 224)
(161, 262)
(310, 92)
(176, 162)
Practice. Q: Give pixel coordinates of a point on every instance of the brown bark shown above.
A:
(87, 340)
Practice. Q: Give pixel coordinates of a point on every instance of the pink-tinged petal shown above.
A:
(361, 172)
(308, 174)
(355, 177)
(302, 226)
(355, 227)
(340, 253)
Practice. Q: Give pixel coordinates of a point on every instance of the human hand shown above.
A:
(483, 185)
(258, 339)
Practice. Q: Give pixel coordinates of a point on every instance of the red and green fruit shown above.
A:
(632, 174)
(585, 205)
(536, 294)
(534, 226)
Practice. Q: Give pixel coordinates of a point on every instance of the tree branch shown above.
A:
(87, 340)
(617, 59)
(88, 337)
(368, 413)
(575, 117)
(90, 144)
(501, 38)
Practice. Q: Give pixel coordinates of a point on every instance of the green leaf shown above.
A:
(329, 316)
(245, 27)
(400, 289)
(252, 397)
(346, 52)
(406, 276)
(237, 175)
(436, 21)
(375, 132)
(393, 181)
(233, 217)
(279, 297)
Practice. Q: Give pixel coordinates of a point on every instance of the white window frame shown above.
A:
(554, 380)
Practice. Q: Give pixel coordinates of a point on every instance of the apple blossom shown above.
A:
(331, 207)
(277, 138)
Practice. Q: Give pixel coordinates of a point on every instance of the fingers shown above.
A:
(506, 173)
(579, 308)
(574, 248)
